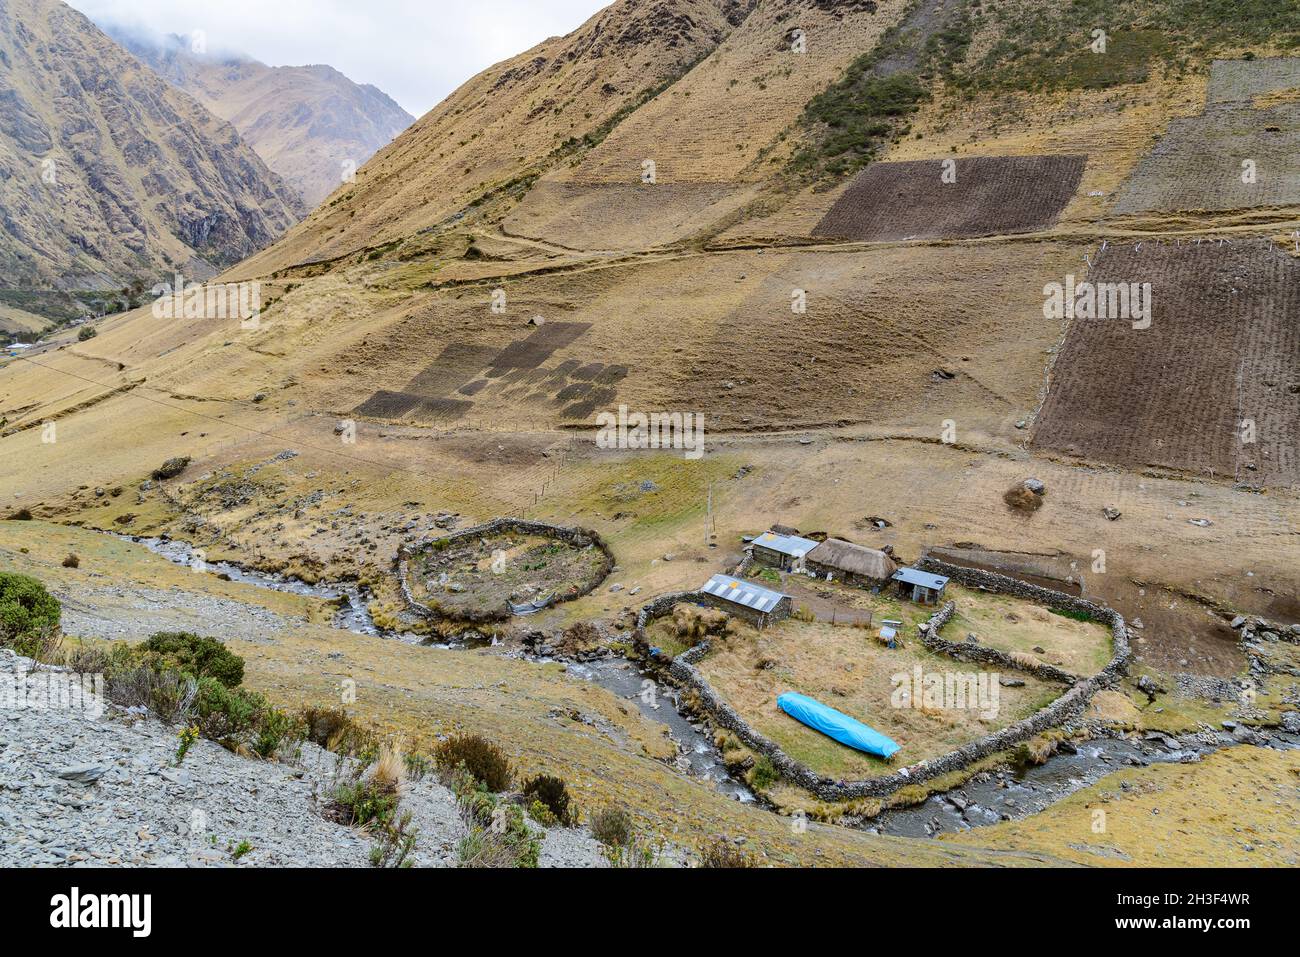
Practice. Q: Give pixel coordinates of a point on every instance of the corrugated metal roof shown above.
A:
(913, 577)
(786, 544)
(743, 592)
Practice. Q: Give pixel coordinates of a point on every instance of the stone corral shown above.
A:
(575, 536)
(1070, 705)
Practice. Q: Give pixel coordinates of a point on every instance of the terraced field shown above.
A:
(1240, 81)
(1198, 164)
(1212, 387)
(954, 198)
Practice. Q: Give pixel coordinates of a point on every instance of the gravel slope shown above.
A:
(143, 810)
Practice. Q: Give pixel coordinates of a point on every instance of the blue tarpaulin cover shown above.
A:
(833, 724)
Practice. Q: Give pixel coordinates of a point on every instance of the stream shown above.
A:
(697, 756)
(989, 797)
(1014, 793)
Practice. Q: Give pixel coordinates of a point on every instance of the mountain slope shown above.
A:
(511, 122)
(108, 174)
(310, 124)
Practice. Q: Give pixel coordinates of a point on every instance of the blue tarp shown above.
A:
(833, 724)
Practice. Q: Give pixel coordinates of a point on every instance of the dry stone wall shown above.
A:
(1065, 708)
(575, 536)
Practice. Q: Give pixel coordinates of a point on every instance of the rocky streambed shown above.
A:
(1013, 793)
(697, 756)
(987, 798)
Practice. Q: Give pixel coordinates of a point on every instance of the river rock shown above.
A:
(83, 773)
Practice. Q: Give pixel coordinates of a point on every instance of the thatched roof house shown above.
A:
(844, 561)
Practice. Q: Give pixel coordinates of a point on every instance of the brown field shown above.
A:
(604, 216)
(1223, 348)
(991, 195)
(1197, 165)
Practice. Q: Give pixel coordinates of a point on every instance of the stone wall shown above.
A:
(1070, 705)
(982, 654)
(1006, 585)
(575, 536)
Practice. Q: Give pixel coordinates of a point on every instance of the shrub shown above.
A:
(612, 827)
(135, 680)
(171, 468)
(540, 813)
(335, 730)
(228, 716)
(1021, 499)
(29, 615)
(764, 774)
(496, 833)
(393, 845)
(637, 853)
(722, 853)
(198, 656)
(365, 802)
(72, 561)
(275, 729)
(553, 794)
(86, 332)
(479, 757)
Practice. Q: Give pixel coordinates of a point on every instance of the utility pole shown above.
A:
(708, 515)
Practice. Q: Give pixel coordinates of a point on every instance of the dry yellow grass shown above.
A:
(1235, 808)
(842, 667)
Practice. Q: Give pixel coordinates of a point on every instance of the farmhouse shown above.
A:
(920, 586)
(754, 603)
(838, 560)
(785, 552)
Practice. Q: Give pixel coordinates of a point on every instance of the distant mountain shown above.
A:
(508, 124)
(107, 173)
(310, 124)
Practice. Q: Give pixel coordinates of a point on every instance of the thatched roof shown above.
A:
(847, 557)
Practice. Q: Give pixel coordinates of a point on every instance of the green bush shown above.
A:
(366, 802)
(133, 679)
(29, 615)
(553, 794)
(198, 656)
(228, 716)
(478, 756)
(764, 773)
(497, 835)
(86, 332)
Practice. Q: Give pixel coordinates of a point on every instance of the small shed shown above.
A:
(754, 603)
(920, 586)
(838, 560)
(786, 552)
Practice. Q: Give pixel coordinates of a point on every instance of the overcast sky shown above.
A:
(416, 51)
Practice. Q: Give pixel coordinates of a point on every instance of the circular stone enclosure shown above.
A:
(503, 568)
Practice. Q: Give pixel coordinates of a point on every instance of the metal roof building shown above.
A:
(753, 602)
(782, 551)
(920, 586)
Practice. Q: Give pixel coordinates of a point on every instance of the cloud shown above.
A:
(416, 51)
